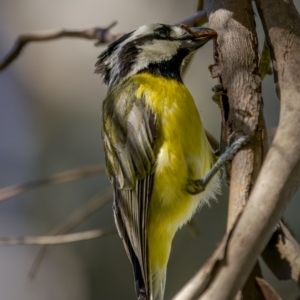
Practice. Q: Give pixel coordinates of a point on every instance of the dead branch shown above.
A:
(58, 178)
(279, 177)
(236, 66)
(268, 292)
(282, 254)
(265, 62)
(100, 35)
(72, 221)
(194, 22)
(97, 34)
(200, 281)
(198, 17)
(56, 239)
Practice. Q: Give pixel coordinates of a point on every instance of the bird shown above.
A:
(158, 159)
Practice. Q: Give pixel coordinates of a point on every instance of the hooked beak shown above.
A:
(196, 37)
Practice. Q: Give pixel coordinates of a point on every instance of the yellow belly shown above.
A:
(183, 153)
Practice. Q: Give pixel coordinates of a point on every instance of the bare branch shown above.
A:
(56, 239)
(236, 67)
(268, 292)
(72, 221)
(213, 142)
(199, 282)
(279, 177)
(265, 62)
(197, 20)
(282, 254)
(100, 35)
(198, 17)
(59, 178)
(193, 228)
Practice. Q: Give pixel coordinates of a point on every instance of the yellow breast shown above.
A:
(183, 153)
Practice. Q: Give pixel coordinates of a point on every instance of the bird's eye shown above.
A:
(163, 32)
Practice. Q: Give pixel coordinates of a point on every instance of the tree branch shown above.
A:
(194, 21)
(237, 65)
(55, 239)
(198, 17)
(201, 280)
(280, 175)
(268, 292)
(72, 221)
(100, 35)
(58, 178)
(282, 254)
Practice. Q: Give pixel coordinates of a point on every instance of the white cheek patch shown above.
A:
(155, 52)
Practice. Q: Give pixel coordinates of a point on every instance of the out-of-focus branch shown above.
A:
(56, 239)
(265, 62)
(72, 221)
(213, 142)
(279, 177)
(268, 292)
(194, 22)
(59, 178)
(97, 34)
(100, 35)
(199, 282)
(199, 17)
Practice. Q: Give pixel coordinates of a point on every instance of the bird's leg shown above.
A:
(197, 186)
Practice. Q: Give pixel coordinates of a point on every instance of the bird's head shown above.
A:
(157, 48)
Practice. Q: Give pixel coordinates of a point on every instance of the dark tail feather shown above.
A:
(138, 279)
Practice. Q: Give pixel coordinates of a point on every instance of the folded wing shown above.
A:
(129, 133)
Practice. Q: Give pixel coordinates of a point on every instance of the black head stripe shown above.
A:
(127, 58)
(100, 66)
(111, 48)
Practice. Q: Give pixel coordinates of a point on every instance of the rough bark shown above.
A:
(279, 177)
(237, 66)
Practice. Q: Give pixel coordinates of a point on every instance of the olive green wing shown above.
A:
(129, 133)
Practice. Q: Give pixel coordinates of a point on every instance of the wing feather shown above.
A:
(129, 133)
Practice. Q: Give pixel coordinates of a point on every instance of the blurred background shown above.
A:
(50, 106)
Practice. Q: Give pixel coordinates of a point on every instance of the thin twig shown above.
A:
(199, 282)
(197, 20)
(202, 278)
(267, 290)
(100, 35)
(72, 221)
(199, 16)
(56, 239)
(193, 228)
(265, 62)
(58, 178)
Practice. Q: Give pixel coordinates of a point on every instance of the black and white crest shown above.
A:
(137, 50)
(156, 48)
